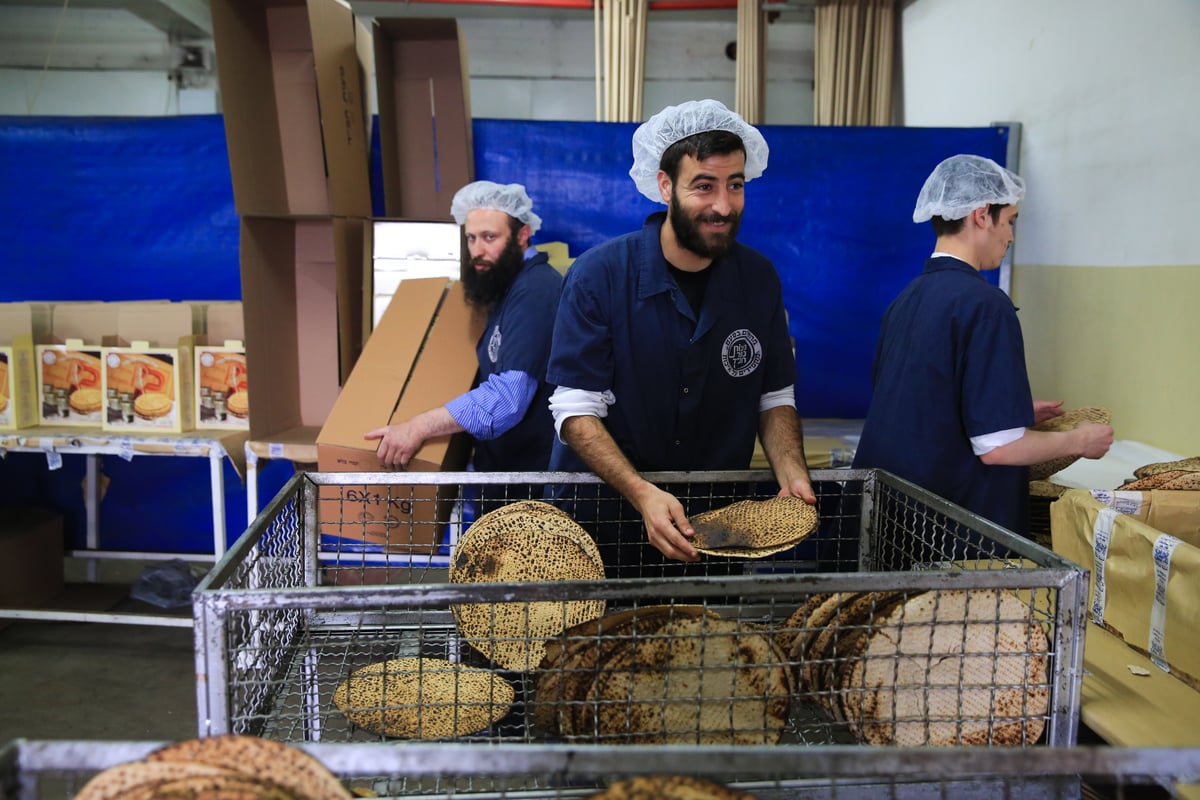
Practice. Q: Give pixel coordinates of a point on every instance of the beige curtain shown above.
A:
(620, 59)
(751, 48)
(854, 51)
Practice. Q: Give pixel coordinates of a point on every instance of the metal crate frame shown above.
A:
(56, 770)
(255, 612)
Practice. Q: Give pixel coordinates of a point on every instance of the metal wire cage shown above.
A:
(903, 620)
(57, 770)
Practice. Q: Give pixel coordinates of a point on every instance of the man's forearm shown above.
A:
(588, 437)
(782, 436)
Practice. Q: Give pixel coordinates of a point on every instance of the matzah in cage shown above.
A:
(902, 621)
(59, 770)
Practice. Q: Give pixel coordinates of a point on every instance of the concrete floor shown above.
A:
(94, 681)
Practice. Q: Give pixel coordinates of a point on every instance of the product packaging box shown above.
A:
(222, 397)
(297, 343)
(403, 250)
(1145, 581)
(21, 326)
(31, 557)
(424, 115)
(147, 375)
(70, 371)
(421, 355)
(293, 77)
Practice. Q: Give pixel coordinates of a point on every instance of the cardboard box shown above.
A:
(31, 557)
(1145, 583)
(404, 250)
(70, 370)
(295, 336)
(292, 80)
(21, 325)
(422, 85)
(147, 375)
(222, 396)
(421, 355)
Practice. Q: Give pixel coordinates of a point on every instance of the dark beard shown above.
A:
(687, 230)
(484, 289)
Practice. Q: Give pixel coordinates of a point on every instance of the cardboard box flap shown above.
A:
(91, 322)
(159, 324)
(16, 319)
(424, 115)
(224, 322)
(383, 370)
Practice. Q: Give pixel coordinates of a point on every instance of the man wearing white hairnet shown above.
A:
(512, 283)
(952, 408)
(671, 348)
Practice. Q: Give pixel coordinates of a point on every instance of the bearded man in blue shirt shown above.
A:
(671, 348)
(507, 279)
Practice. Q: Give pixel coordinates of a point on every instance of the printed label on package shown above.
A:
(1101, 534)
(1164, 546)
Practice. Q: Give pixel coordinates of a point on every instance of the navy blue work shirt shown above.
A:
(517, 337)
(687, 389)
(950, 365)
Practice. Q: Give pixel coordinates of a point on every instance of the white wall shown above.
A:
(1108, 92)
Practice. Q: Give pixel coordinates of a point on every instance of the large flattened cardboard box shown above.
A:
(147, 374)
(222, 396)
(290, 277)
(1145, 580)
(22, 325)
(421, 355)
(293, 77)
(70, 369)
(424, 115)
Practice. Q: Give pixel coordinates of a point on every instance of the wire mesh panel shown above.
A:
(39, 770)
(901, 621)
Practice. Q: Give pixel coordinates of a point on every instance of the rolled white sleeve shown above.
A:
(781, 397)
(567, 402)
(990, 441)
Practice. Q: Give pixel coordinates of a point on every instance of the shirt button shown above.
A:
(685, 390)
(676, 441)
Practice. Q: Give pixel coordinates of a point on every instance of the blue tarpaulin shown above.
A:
(136, 209)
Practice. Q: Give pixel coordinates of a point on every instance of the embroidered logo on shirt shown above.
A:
(741, 353)
(494, 344)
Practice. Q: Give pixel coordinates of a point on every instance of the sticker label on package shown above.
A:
(1123, 502)
(1101, 534)
(1164, 546)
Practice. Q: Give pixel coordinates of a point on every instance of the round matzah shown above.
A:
(772, 525)
(669, 787)
(794, 626)
(1065, 422)
(1188, 482)
(119, 780)
(1185, 464)
(697, 681)
(950, 668)
(532, 543)
(1045, 488)
(264, 759)
(1159, 480)
(423, 698)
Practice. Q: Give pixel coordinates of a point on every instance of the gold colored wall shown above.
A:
(1123, 337)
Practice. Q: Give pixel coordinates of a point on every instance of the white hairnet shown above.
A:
(509, 198)
(655, 135)
(963, 183)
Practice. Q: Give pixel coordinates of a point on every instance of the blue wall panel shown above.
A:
(133, 209)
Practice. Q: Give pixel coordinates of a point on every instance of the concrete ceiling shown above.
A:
(188, 19)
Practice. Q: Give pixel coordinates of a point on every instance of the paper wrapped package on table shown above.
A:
(1143, 550)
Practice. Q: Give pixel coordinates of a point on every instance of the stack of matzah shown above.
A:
(523, 542)
(669, 787)
(219, 767)
(933, 668)
(1183, 474)
(663, 675)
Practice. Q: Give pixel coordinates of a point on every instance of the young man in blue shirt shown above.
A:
(514, 285)
(952, 408)
(671, 348)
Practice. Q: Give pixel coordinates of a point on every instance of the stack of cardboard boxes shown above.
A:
(295, 78)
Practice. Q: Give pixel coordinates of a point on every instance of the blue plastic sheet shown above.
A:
(133, 209)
